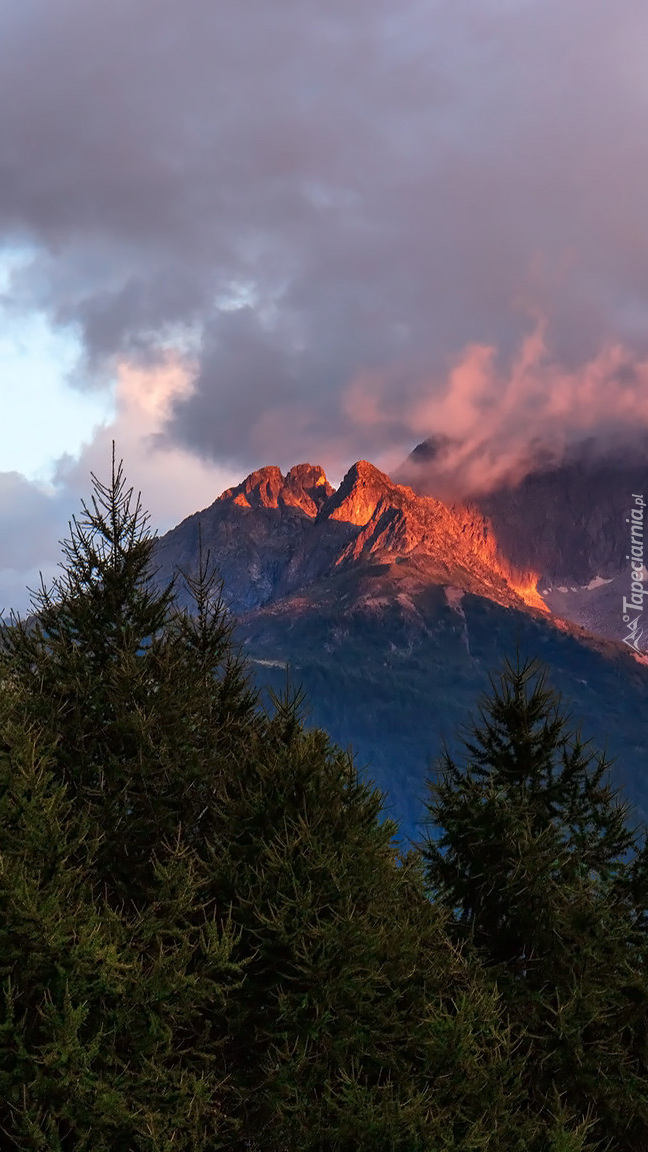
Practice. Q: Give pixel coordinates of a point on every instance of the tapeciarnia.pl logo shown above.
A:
(633, 606)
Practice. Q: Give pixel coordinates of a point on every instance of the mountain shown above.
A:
(567, 522)
(392, 608)
(273, 535)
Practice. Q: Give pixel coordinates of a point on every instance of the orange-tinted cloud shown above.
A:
(322, 188)
(174, 481)
(351, 208)
(499, 421)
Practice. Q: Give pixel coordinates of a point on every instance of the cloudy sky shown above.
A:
(241, 232)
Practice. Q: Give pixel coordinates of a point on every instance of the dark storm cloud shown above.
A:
(335, 200)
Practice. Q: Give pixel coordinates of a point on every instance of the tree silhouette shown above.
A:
(530, 851)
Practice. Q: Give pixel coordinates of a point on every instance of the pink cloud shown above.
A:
(503, 418)
(174, 481)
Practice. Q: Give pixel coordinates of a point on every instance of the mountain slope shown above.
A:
(392, 609)
(273, 534)
(392, 664)
(567, 522)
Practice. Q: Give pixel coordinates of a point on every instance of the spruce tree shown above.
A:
(530, 850)
(115, 957)
(141, 700)
(360, 1026)
(112, 1021)
(207, 937)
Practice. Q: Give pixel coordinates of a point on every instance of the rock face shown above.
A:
(568, 524)
(273, 534)
(557, 542)
(392, 607)
(304, 487)
(263, 535)
(360, 493)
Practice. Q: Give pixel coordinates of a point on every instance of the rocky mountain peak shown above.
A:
(259, 490)
(359, 494)
(305, 487)
(273, 534)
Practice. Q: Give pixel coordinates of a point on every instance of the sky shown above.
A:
(240, 232)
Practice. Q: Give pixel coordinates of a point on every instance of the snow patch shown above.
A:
(454, 596)
(597, 582)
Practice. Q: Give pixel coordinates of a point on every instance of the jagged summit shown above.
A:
(305, 486)
(391, 606)
(556, 542)
(359, 494)
(273, 535)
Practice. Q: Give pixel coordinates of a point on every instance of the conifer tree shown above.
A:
(530, 851)
(207, 938)
(360, 1024)
(111, 1020)
(132, 692)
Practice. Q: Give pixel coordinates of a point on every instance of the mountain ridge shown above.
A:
(392, 609)
(297, 528)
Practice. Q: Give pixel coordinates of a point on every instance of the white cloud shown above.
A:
(172, 480)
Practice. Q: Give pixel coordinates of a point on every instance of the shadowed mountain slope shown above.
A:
(566, 522)
(392, 609)
(273, 534)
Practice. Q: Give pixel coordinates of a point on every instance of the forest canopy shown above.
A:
(210, 939)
